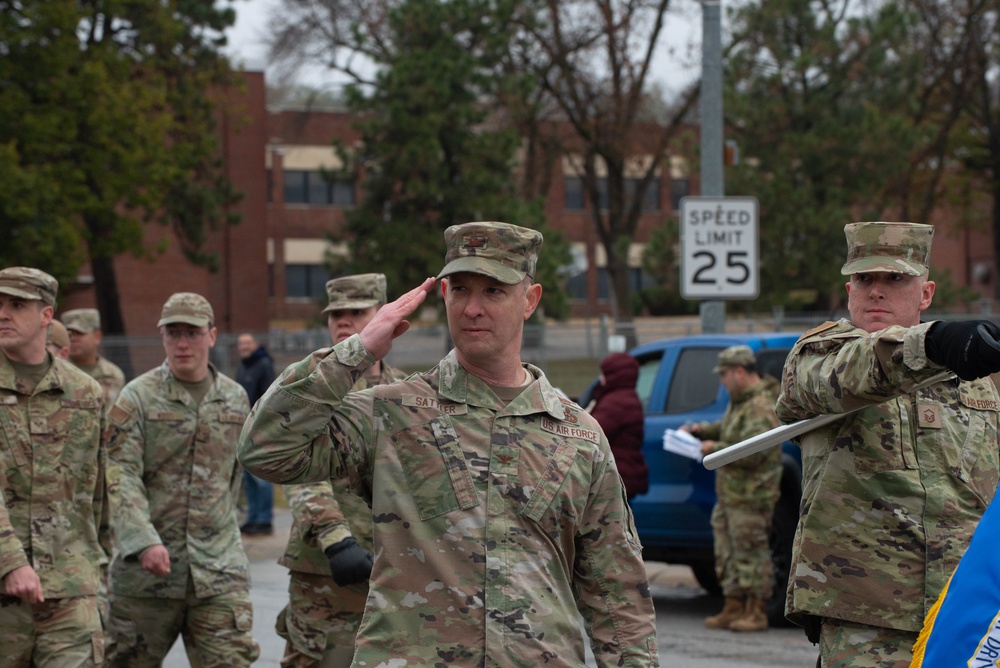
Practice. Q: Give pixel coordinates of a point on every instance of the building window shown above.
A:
(638, 280)
(603, 284)
(576, 285)
(310, 187)
(573, 185)
(651, 200)
(296, 191)
(678, 188)
(306, 280)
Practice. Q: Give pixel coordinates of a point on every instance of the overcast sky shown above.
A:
(246, 45)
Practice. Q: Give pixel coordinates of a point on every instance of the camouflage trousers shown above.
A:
(849, 645)
(320, 621)
(216, 630)
(742, 552)
(57, 633)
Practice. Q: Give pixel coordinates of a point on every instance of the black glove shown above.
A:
(349, 562)
(970, 348)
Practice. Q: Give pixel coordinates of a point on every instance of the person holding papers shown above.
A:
(746, 492)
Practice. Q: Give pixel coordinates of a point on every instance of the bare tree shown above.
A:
(591, 62)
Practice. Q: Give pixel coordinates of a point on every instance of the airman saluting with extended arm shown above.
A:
(499, 516)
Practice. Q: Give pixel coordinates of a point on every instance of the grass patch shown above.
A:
(572, 376)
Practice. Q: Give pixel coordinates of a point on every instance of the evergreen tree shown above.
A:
(107, 123)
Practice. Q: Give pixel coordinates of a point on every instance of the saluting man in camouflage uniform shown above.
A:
(497, 508)
(746, 492)
(324, 607)
(179, 567)
(54, 510)
(84, 327)
(892, 492)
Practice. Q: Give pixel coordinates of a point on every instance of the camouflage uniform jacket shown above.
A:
(175, 465)
(892, 493)
(111, 379)
(753, 481)
(325, 513)
(492, 524)
(55, 513)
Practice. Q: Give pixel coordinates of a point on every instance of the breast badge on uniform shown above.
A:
(929, 416)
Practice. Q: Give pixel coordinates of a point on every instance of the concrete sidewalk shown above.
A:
(269, 589)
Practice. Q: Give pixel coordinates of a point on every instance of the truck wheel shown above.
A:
(704, 573)
(786, 518)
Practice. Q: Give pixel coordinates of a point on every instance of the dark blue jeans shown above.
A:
(260, 499)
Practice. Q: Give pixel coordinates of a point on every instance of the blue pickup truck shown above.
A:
(677, 386)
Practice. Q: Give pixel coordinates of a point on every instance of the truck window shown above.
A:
(694, 385)
(648, 369)
(771, 360)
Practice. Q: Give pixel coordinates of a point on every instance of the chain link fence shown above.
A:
(423, 345)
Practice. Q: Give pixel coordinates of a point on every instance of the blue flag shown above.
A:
(963, 628)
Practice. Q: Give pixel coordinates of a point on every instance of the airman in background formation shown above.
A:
(179, 566)
(54, 509)
(84, 327)
(57, 340)
(325, 607)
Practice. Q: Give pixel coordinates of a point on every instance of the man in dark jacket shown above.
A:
(619, 411)
(255, 374)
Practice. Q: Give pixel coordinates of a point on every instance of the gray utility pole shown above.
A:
(713, 313)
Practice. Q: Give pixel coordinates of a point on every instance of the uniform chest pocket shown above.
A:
(978, 464)
(875, 437)
(549, 484)
(77, 427)
(434, 467)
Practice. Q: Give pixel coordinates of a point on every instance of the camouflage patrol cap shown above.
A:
(188, 308)
(83, 320)
(502, 251)
(901, 248)
(734, 356)
(57, 334)
(29, 283)
(358, 291)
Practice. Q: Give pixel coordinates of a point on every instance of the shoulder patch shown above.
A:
(829, 324)
(121, 412)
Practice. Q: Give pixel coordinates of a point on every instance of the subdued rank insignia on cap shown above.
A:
(475, 241)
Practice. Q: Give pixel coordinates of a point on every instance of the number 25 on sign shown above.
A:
(719, 253)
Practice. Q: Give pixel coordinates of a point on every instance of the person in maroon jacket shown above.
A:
(619, 411)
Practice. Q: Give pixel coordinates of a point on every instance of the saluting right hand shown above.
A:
(390, 320)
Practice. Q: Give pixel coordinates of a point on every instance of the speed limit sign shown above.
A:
(719, 251)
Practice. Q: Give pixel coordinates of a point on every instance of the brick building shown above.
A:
(272, 264)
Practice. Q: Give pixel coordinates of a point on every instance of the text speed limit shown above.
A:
(719, 251)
